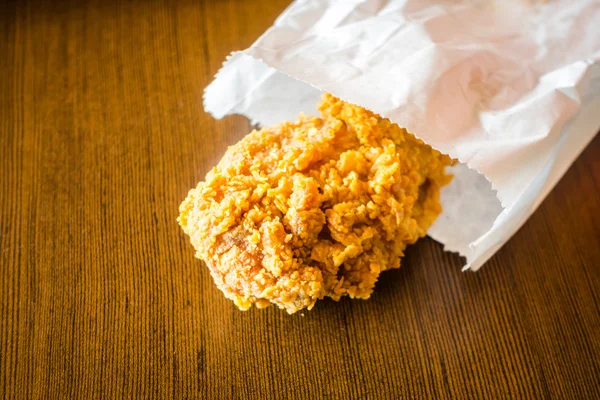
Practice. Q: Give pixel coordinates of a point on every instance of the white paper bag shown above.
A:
(509, 88)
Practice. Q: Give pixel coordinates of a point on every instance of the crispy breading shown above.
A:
(314, 208)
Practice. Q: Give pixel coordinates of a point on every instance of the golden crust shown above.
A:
(313, 208)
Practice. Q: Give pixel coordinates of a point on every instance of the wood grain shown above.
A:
(102, 134)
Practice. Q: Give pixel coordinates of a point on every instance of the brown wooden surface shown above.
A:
(103, 134)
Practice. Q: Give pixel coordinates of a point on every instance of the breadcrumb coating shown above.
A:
(314, 208)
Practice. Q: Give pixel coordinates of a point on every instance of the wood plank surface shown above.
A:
(102, 134)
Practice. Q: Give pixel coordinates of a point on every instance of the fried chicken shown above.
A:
(314, 208)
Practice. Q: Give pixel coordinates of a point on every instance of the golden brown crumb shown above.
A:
(313, 208)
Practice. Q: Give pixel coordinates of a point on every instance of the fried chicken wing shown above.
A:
(314, 208)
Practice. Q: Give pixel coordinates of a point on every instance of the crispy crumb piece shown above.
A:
(314, 208)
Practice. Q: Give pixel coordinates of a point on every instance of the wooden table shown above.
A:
(102, 134)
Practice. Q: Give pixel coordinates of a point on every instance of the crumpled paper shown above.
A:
(509, 88)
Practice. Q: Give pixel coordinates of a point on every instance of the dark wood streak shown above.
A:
(102, 134)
